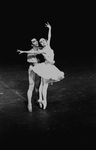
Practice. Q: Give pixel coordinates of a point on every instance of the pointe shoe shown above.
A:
(40, 102)
(44, 104)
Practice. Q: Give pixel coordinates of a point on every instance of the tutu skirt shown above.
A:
(48, 71)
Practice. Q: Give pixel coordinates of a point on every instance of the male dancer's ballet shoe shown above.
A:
(29, 108)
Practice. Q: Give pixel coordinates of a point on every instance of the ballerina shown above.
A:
(48, 72)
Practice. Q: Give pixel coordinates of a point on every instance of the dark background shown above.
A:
(73, 31)
(73, 106)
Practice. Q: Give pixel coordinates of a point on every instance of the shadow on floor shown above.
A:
(70, 118)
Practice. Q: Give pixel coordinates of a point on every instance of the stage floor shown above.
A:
(69, 119)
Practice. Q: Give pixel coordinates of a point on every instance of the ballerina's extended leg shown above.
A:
(45, 87)
(40, 94)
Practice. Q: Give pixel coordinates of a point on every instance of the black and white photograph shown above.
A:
(48, 76)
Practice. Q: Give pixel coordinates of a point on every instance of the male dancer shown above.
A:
(34, 79)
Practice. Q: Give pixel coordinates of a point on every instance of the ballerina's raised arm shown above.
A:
(49, 33)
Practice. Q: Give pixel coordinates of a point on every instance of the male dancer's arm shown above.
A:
(32, 51)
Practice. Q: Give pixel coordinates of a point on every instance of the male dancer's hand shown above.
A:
(20, 52)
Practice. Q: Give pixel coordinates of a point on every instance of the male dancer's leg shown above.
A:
(31, 88)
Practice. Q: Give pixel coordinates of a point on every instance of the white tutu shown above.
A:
(48, 71)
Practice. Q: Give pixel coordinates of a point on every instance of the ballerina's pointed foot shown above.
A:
(30, 108)
(40, 103)
(44, 104)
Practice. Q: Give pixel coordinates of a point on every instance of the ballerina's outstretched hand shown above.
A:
(48, 25)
